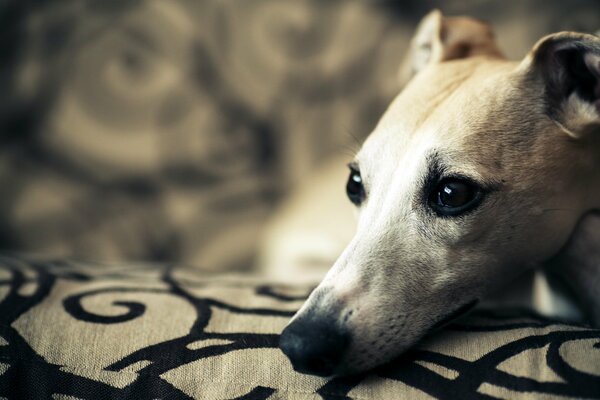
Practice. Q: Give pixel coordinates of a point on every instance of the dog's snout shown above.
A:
(314, 346)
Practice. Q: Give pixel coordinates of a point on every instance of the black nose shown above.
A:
(314, 346)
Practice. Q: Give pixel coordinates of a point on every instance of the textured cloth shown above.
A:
(87, 331)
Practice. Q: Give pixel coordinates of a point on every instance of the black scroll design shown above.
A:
(177, 348)
(30, 376)
(14, 304)
(269, 291)
(258, 393)
(472, 374)
(73, 306)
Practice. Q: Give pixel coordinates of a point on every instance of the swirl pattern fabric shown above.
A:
(136, 331)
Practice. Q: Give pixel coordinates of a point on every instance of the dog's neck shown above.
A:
(592, 169)
(579, 264)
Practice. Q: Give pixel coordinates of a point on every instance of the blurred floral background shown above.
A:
(171, 129)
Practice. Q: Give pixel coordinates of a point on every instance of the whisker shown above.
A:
(349, 132)
(556, 209)
(348, 150)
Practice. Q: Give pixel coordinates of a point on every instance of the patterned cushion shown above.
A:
(82, 330)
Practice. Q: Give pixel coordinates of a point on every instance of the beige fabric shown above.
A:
(141, 331)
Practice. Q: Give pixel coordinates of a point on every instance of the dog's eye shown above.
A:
(354, 188)
(454, 196)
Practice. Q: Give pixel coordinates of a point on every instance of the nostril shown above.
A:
(314, 347)
(291, 344)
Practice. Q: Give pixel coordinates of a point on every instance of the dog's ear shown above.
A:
(568, 64)
(440, 38)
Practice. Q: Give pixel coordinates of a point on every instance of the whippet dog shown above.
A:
(480, 169)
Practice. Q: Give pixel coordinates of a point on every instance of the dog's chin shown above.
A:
(457, 313)
(362, 362)
(369, 355)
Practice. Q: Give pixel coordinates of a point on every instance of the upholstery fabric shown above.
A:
(71, 330)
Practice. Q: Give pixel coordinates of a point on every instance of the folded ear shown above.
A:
(440, 38)
(568, 64)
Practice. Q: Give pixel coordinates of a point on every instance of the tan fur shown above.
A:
(487, 118)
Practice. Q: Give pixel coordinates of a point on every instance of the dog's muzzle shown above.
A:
(315, 345)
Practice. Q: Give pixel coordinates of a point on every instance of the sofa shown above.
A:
(81, 330)
(161, 138)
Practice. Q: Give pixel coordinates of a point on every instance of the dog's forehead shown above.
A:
(453, 107)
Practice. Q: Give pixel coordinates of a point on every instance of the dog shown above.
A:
(480, 170)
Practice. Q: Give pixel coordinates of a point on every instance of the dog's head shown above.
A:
(478, 169)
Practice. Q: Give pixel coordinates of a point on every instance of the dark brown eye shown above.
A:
(354, 187)
(454, 196)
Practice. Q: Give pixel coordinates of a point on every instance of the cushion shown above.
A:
(73, 330)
